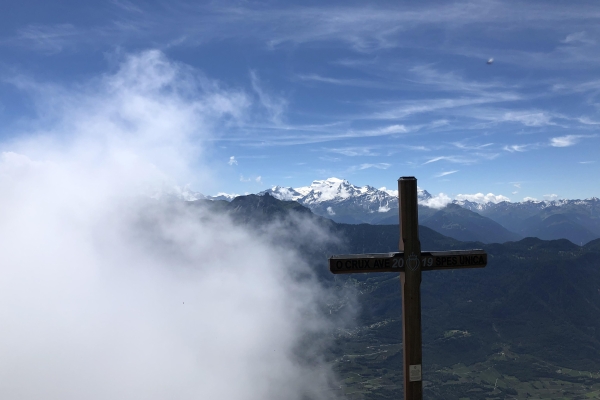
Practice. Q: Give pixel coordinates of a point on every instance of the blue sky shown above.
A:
(304, 91)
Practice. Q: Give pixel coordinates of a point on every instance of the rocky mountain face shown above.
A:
(344, 202)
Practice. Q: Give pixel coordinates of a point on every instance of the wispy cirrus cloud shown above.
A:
(366, 28)
(452, 159)
(378, 166)
(451, 81)
(416, 147)
(362, 28)
(365, 166)
(353, 151)
(386, 130)
(127, 6)
(343, 82)
(273, 104)
(520, 148)
(446, 173)
(47, 38)
(464, 146)
(578, 37)
(566, 141)
(587, 121)
(570, 87)
(528, 118)
(404, 109)
(286, 135)
(559, 141)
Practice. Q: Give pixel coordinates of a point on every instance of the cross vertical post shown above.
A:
(410, 281)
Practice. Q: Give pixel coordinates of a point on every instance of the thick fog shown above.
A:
(108, 290)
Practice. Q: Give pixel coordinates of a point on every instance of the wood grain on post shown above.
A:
(410, 280)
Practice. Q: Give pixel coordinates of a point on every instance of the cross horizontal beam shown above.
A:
(395, 262)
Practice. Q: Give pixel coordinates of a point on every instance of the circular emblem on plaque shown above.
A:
(413, 262)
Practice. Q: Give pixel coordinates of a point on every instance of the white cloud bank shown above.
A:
(482, 198)
(442, 199)
(391, 192)
(439, 201)
(106, 294)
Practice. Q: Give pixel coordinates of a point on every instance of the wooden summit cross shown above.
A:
(410, 261)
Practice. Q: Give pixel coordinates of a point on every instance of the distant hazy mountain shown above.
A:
(575, 220)
(462, 224)
(185, 193)
(254, 208)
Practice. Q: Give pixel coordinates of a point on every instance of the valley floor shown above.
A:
(372, 372)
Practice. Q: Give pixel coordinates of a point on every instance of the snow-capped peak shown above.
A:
(282, 193)
(329, 189)
(333, 192)
(223, 196)
(319, 191)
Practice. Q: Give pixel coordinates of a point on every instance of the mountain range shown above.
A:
(487, 222)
